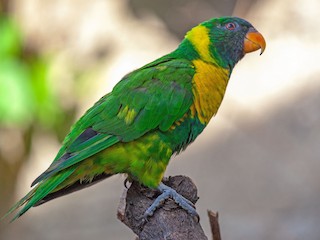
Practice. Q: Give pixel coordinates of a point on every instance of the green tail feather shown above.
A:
(59, 165)
(19, 204)
(38, 193)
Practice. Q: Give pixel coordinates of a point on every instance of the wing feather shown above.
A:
(155, 96)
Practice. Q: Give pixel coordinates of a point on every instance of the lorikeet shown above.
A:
(152, 113)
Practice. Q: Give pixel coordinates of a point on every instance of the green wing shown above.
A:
(150, 98)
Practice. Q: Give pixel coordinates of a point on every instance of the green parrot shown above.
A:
(152, 113)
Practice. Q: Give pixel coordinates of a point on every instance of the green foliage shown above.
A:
(10, 41)
(25, 93)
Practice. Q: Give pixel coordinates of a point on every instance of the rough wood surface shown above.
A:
(169, 221)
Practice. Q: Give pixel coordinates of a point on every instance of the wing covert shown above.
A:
(152, 97)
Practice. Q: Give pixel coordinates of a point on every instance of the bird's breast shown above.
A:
(209, 86)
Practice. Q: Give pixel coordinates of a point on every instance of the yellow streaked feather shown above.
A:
(131, 114)
(127, 114)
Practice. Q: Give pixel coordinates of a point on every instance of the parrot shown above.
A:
(151, 114)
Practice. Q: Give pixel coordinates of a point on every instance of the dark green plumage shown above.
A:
(152, 113)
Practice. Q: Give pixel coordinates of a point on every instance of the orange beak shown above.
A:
(254, 41)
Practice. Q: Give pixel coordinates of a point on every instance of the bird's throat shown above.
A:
(209, 86)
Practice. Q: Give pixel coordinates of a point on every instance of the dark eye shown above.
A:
(230, 26)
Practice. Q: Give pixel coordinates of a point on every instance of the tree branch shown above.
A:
(214, 223)
(169, 221)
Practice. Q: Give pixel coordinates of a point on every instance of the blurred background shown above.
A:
(257, 163)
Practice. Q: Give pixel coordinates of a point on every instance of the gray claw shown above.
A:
(167, 192)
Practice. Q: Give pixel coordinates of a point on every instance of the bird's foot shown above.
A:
(168, 192)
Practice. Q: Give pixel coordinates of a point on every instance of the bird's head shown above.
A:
(225, 40)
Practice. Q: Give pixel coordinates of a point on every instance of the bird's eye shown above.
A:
(230, 26)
